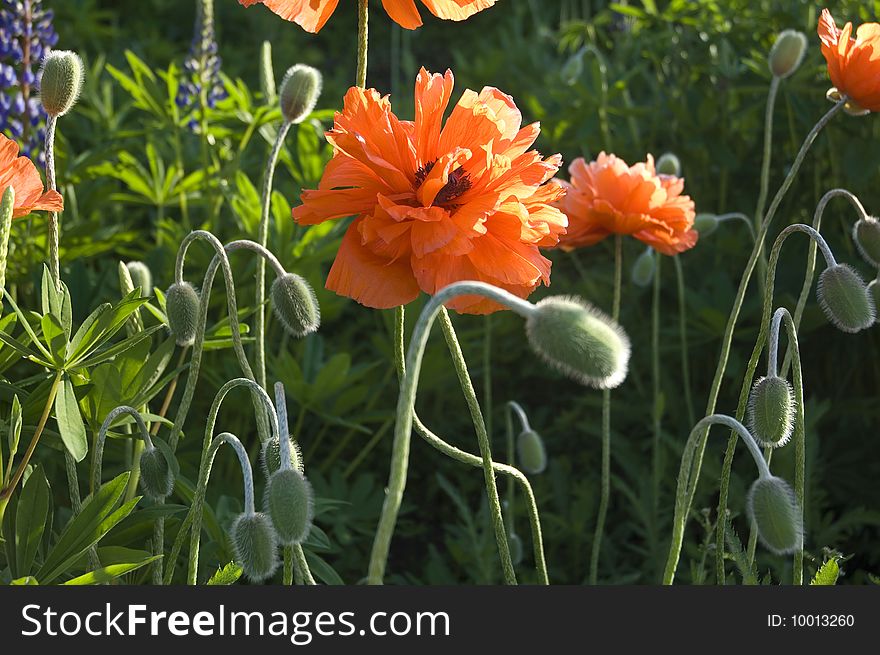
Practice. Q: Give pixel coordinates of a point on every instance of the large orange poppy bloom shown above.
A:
(853, 63)
(312, 14)
(22, 175)
(608, 197)
(435, 203)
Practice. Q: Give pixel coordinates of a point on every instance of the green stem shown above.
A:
(655, 384)
(683, 338)
(363, 19)
(54, 228)
(605, 490)
(287, 575)
(765, 170)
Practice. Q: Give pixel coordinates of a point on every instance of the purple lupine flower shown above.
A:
(26, 36)
(201, 67)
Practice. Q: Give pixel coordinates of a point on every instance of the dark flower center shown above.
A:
(458, 183)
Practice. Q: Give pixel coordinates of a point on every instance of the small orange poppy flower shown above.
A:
(608, 197)
(22, 175)
(435, 203)
(853, 63)
(311, 15)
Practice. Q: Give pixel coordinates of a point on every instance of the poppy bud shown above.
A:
(866, 234)
(787, 53)
(531, 453)
(579, 340)
(182, 308)
(157, 479)
(643, 268)
(874, 292)
(61, 81)
(573, 68)
(300, 89)
(705, 224)
(290, 504)
(271, 456)
(772, 506)
(256, 546)
(668, 164)
(771, 411)
(141, 277)
(844, 298)
(295, 304)
(515, 545)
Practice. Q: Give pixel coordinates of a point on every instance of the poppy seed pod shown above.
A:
(772, 506)
(771, 411)
(290, 504)
(157, 479)
(61, 80)
(874, 292)
(300, 89)
(256, 546)
(580, 341)
(866, 234)
(643, 268)
(531, 452)
(141, 277)
(182, 308)
(705, 224)
(668, 164)
(295, 304)
(787, 53)
(271, 456)
(844, 298)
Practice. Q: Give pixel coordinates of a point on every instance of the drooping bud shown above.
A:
(644, 267)
(531, 454)
(668, 164)
(141, 277)
(61, 80)
(844, 298)
(705, 224)
(580, 341)
(787, 53)
(774, 509)
(866, 234)
(271, 456)
(515, 545)
(256, 546)
(300, 89)
(157, 479)
(290, 504)
(874, 292)
(295, 304)
(182, 308)
(771, 411)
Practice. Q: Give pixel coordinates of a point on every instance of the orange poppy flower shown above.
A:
(608, 197)
(312, 14)
(435, 203)
(853, 64)
(22, 175)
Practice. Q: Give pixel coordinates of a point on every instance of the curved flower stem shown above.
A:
(727, 339)
(750, 373)
(363, 19)
(765, 170)
(98, 454)
(511, 460)
(54, 229)
(683, 339)
(687, 480)
(738, 216)
(406, 410)
(263, 237)
(464, 380)
(605, 492)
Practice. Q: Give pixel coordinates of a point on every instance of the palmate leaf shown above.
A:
(106, 323)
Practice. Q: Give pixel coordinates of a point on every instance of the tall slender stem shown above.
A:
(655, 386)
(765, 170)
(683, 340)
(363, 19)
(605, 490)
(54, 228)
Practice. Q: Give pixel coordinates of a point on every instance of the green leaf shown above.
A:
(55, 338)
(30, 520)
(322, 570)
(104, 327)
(14, 427)
(111, 572)
(228, 575)
(70, 421)
(23, 319)
(118, 348)
(106, 395)
(23, 350)
(88, 327)
(827, 574)
(27, 581)
(150, 371)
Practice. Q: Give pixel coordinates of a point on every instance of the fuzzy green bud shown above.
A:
(255, 544)
(866, 234)
(182, 308)
(61, 80)
(270, 456)
(771, 411)
(290, 504)
(295, 304)
(844, 298)
(668, 164)
(705, 224)
(531, 454)
(787, 53)
(141, 277)
(300, 89)
(157, 478)
(580, 341)
(772, 506)
(644, 267)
